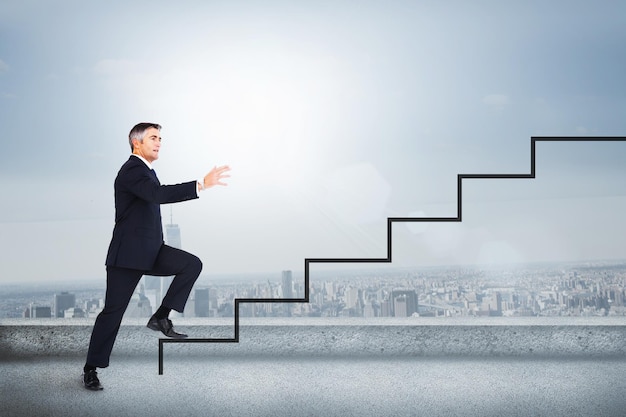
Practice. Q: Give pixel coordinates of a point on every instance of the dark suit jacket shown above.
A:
(138, 232)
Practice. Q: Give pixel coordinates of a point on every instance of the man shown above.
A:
(137, 246)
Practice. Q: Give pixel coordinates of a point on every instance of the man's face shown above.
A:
(149, 147)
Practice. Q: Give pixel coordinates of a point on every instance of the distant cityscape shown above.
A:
(586, 289)
(557, 289)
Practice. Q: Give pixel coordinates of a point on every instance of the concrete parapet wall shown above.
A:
(331, 337)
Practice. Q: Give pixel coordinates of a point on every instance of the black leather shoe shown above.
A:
(165, 326)
(91, 381)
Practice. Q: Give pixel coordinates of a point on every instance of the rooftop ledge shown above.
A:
(343, 321)
(353, 337)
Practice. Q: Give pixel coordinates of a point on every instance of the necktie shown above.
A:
(155, 175)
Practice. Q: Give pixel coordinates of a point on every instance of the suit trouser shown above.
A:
(121, 284)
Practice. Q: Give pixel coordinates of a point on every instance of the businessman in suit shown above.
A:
(137, 246)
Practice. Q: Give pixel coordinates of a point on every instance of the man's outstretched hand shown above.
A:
(215, 176)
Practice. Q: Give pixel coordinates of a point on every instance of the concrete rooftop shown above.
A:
(318, 387)
(579, 370)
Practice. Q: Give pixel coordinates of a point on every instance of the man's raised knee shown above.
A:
(196, 263)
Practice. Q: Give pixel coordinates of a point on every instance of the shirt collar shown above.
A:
(144, 160)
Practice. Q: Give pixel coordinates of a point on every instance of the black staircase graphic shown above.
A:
(390, 221)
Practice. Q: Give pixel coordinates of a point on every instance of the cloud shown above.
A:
(8, 95)
(496, 100)
(4, 67)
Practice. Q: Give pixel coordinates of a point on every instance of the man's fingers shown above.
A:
(217, 174)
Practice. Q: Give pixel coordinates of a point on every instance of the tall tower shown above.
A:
(287, 287)
(172, 233)
(62, 302)
(287, 284)
(403, 302)
(202, 305)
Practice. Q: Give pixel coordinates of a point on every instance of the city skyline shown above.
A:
(555, 290)
(333, 118)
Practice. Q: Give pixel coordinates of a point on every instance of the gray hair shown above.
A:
(139, 130)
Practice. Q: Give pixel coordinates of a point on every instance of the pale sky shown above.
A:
(333, 115)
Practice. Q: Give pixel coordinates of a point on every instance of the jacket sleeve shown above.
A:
(140, 182)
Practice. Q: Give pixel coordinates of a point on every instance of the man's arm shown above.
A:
(141, 182)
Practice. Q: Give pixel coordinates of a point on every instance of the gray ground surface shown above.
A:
(204, 386)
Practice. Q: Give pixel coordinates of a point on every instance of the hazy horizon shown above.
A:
(330, 274)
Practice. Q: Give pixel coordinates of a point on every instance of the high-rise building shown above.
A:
(213, 300)
(62, 302)
(172, 235)
(287, 287)
(352, 297)
(400, 306)
(202, 304)
(491, 304)
(287, 284)
(368, 310)
(34, 312)
(329, 290)
(404, 303)
(385, 308)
